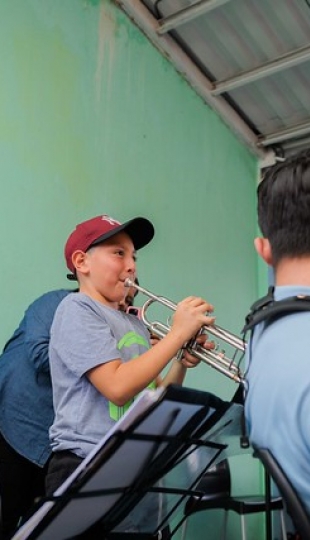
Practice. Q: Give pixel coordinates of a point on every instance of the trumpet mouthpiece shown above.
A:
(129, 282)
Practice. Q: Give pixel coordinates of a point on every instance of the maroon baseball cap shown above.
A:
(94, 231)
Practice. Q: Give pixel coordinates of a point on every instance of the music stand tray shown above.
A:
(164, 429)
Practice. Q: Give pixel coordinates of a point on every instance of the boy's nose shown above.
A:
(131, 266)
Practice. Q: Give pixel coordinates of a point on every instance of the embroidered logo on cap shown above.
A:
(110, 220)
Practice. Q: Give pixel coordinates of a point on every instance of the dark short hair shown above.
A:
(283, 207)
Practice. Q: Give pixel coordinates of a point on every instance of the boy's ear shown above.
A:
(263, 248)
(79, 259)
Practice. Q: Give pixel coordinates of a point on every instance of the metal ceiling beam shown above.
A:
(299, 130)
(188, 14)
(269, 68)
(142, 17)
(297, 143)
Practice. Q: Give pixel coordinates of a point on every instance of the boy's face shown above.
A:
(108, 265)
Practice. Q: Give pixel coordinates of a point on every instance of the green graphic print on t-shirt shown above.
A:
(126, 341)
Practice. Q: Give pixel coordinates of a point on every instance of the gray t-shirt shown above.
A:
(85, 334)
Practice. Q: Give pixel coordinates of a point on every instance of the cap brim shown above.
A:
(140, 230)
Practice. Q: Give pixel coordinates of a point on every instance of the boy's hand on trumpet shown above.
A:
(190, 361)
(190, 316)
(187, 359)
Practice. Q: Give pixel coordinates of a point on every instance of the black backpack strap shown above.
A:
(268, 308)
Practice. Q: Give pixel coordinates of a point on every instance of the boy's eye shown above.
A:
(121, 253)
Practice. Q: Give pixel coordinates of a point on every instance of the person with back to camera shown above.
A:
(26, 411)
(100, 357)
(277, 401)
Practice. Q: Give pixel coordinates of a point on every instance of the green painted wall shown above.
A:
(93, 119)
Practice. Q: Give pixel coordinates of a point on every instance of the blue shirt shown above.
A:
(277, 405)
(26, 406)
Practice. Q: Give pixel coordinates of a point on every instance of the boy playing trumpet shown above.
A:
(101, 357)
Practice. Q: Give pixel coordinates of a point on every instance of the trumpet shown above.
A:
(214, 358)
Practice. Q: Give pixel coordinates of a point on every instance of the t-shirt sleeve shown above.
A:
(81, 338)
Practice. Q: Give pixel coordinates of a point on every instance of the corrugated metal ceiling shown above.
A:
(249, 59)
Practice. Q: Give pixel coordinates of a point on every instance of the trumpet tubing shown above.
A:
(216, 359)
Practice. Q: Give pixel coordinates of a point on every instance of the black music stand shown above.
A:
(163, 430)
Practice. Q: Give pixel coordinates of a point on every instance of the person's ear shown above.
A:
(80, 261)
(263, 248)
